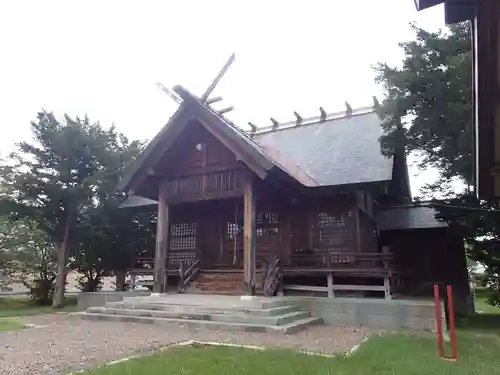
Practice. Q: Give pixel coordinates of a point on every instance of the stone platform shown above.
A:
(258, 314)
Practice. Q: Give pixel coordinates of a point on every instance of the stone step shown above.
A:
(196, 315)
(255, 311)
(226, 302)
(246, 327)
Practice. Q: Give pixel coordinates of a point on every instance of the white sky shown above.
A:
(104, 57)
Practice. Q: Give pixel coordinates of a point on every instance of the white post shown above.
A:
(387, 277)
(331, 292)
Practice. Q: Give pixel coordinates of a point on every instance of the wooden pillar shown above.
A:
(250, 234)
(357, 226)
(161, 250)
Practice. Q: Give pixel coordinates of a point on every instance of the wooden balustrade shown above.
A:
(187, 275)
(205, 186)
(273, 277)
(147, 263)
(340, 260)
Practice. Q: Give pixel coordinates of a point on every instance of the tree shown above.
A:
(28, 258)
(479, 223)
(110, 237)
(52, 181)
(114, 238)
(429, 99)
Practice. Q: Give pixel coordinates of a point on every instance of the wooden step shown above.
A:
(227, 283)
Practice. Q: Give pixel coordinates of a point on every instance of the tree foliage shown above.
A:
(430, 95)
(478, 222)
(28, 258)
(429, 98)
(64, 182)
(110, 237)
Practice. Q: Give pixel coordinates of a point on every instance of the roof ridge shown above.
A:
(314, 120)
(257, 144)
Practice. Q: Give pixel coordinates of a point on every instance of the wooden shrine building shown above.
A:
(306, 207)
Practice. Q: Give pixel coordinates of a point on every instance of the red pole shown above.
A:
(439, 323)
(451, 313)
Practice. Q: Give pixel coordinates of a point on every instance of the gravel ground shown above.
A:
(60, 344)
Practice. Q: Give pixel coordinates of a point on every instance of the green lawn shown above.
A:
(484, 307)
(10, 325)
(22, 306)
(390, 354)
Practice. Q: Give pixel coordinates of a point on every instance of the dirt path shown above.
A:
(60, 344)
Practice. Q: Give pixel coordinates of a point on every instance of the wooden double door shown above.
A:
(213, 234)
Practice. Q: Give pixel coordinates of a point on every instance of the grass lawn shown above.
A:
(10, 325)
(22, 306)
(484, 307)
(390, 354)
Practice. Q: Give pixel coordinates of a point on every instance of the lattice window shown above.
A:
(183, 230)
(233, 230)
(326, 220)
(267, 218)
(267, 224)
(327, 225)
(182, 236)
(182, 243)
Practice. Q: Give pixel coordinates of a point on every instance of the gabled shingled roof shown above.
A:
(337, 151)
(253, 154)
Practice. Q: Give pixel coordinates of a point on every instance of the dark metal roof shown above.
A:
(408, 217)
(454, 11)
(136, 201)
(337, 151)
(193, 105)
(341, 150)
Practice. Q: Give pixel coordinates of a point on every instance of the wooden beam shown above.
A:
(225, 110)
(366, 288)
(298, 117)
(216, 80)
(250, 236)
(323, 114)
(310, 288)
(161, 250)
(215, 99)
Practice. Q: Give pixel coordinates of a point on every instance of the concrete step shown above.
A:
(246, 327)
(254, 311)
(223, 302)
(232, 317)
